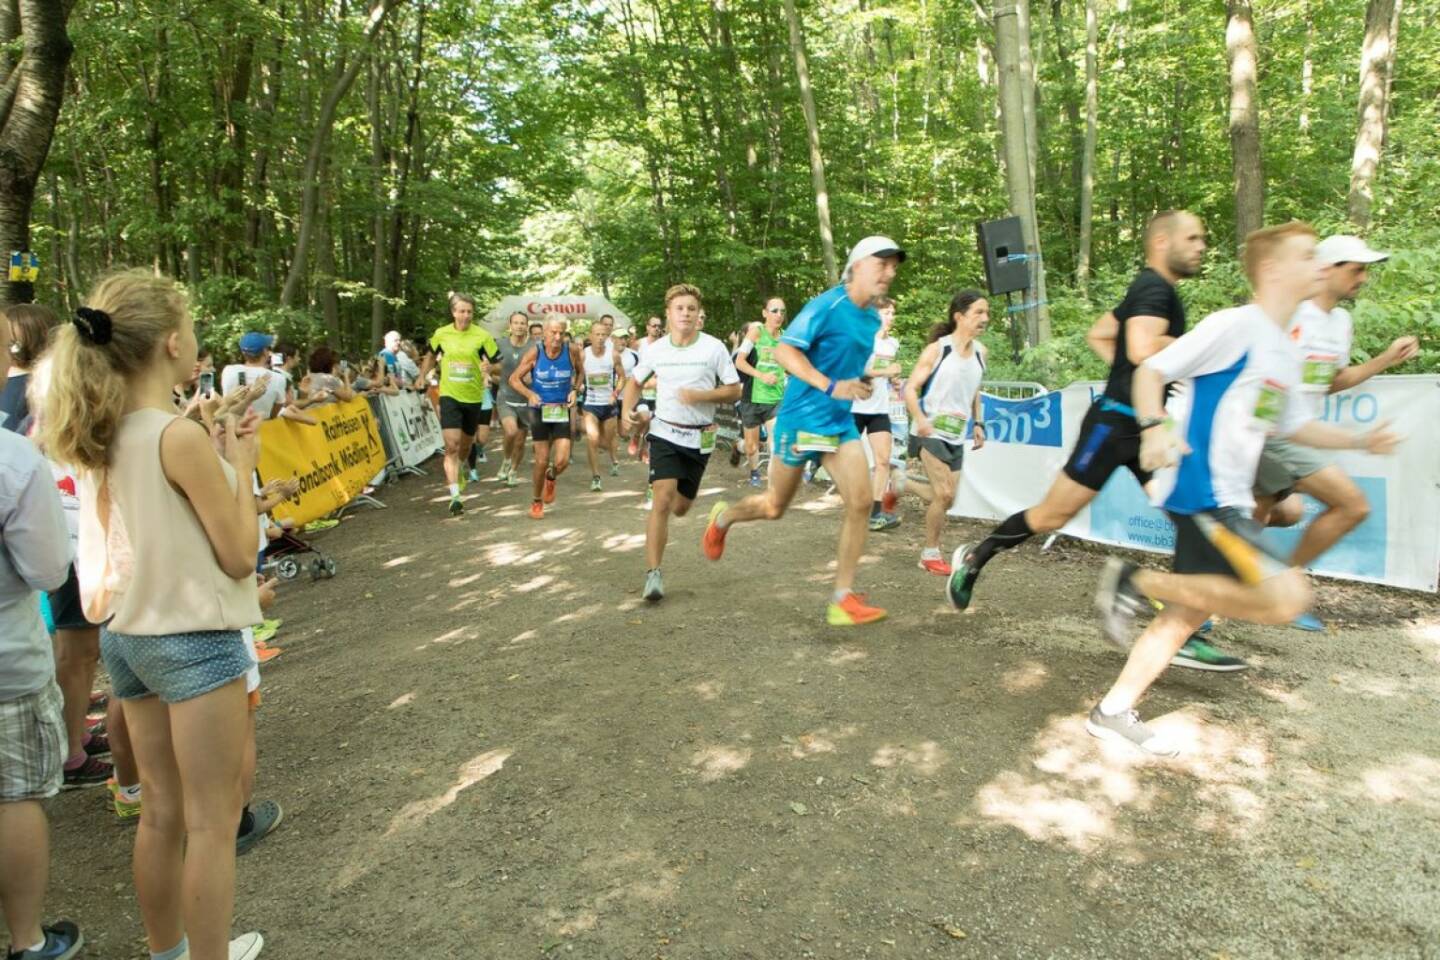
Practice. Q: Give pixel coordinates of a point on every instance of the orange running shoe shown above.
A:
(549, 488)
(935, 565)
(713, 543)
(889, 501)
(537, 510)
(852, 611)
(265, 653)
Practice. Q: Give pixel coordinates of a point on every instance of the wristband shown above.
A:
(1146, 423)
(830, 390)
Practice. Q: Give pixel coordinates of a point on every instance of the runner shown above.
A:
(825, 352)
(603, 370)
(1149, 318)
(1244, 378)
(692, 373)
(463, 348)
(1323, 329)
(764, 384)
(645, 409)
(554, 368)
(514, 405)
(943, 397)
(872, 417)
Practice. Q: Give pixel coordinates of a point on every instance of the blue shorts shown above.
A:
(174, 667)
(785, 433)
(600, 413)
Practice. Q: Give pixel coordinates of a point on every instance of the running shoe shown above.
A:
(633, 447)
(504, 473)
(595, 484)
(808, 474)
(92, 773)
(1118, 602)
(654, 586)
(1308, 622)
(63, 940)
(852, 612)
(1199, 655)
(480, 457)
(99, 700)
(264, 653)
(537, 510)
(265, 816)
(511, 480)
(474, 475)
(97, 746)
(464, 479)
(456, 507)
(265, 631)
(124, 809)
(315, 526)
(713, 542)
(247, 946)
(889, 502)
(614, 469)
(649, 503)
(1127, 728)
(884, 521)
(935, 565)
(549, 485)
(755, 480)
(962, 578)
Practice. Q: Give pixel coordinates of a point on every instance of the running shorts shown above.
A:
(1227, 542)
(873, 423)
(787, 435)
(1109, 440)
(520, 413)
(950, 454)
(464, 417)
(684, 465)
(754, 415)
(601, 413)
(542, 432)
(1284, 464)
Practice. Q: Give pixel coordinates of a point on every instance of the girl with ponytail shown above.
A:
(167, 556)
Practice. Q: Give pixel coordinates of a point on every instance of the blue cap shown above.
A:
(254, 343)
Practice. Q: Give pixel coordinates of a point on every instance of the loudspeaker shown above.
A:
(1002, 247)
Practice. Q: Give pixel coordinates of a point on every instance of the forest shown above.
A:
(328, 169)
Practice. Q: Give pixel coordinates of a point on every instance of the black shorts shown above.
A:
(1108, 441)
(65, 607)
(1227, 542)
(600, 413)
(542, 432)
(754, 415)
(464, 417)
(684, 465)
(872, 422)
(950, 454)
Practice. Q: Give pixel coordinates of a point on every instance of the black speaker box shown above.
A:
(1002, 247)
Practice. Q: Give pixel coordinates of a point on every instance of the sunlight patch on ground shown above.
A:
(845, 655)
(623, 542)
(818, 505)
(926, 758)
(1426, 635)
(1412, 779)
(449, 637)
(535, 583)
(404, 699)
(472, 772)
(1271, 690)
(715, 763)
(1024, 677)
(398, 561)
(586, 611)
(818, 741)
(520, 638)
(465, 581)
(559, 533)
(709, 689)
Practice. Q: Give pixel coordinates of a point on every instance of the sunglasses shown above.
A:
(775, 310)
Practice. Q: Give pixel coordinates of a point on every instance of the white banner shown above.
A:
(414, 427)
(1028, 442)
(571, 308)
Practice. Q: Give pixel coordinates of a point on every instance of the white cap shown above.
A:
(1347, 249)
(875, 246)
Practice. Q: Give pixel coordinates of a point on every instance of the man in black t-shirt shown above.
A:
(1149, 318)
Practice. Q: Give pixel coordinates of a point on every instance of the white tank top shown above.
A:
(885, 352)
(600, 376)
(949, 397)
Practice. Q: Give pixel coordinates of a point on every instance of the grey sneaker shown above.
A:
(1118, 602)
(265, 816)
(247, 946)
(1127, 728)
(654, 587)
(595, 484)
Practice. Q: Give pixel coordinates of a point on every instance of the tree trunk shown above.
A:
(1087, 157)
(1307, 69)
(378, 251)
(1017, 164)
(33, 88)
(319, 140)
(1375, 58)
(1245, 120)
(812, 128)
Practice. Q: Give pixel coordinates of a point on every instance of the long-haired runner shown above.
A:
(825, 352)
(943, 398)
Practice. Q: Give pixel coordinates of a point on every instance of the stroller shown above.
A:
(283, 557)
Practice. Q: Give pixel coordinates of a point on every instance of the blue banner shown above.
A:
(1038, 421)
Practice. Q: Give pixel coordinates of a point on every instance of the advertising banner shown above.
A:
(333, 461)
(413, 427)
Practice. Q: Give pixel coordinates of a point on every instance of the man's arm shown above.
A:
(521, 371)
(924, 367)
(742, 354)
(1145, 336)
(1102, 336)
(793, 360)
(1397, 353)
(1381, 440)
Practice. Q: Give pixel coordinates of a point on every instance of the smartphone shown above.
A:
(344, 366)
(207, 383)
(242, 378)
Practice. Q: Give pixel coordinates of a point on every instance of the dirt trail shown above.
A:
(488, 746)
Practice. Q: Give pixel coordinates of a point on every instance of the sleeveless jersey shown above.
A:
(553, 378)
(949, 394)
(600, 376)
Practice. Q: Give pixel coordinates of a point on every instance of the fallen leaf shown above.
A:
(799, 808)
(953, 932)
(513, 676)
(859, 779)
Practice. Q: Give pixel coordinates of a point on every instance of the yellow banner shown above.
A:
(333, 461)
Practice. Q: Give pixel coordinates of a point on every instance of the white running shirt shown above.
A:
(884, 354)
(703, 365)
(600, 376)
(950, 394)
(274, 393)
(1243, 374)
(1324, 340)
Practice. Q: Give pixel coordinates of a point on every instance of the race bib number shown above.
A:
(598, 381)
(806, 442)
(1319, 370)
(462, 371)
(647, 393)
(554, 413)
(707, 439)
(1271, 402)
(950, 426)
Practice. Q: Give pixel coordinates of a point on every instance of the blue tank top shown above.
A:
(553, 379)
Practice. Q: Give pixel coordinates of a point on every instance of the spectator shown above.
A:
(254, 352)
(324, 385)
(34, 555)
(390, 352)
(170, 561)
(28, 329)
